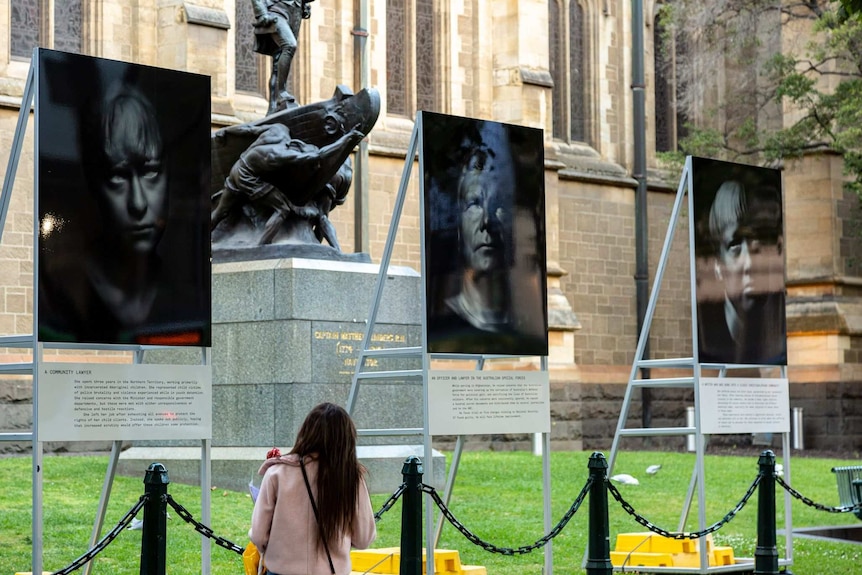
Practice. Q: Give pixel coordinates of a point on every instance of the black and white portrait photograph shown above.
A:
(739, 258)
(123, 166)
(484, 194)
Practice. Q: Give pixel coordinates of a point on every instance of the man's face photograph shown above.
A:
(485, 217)
(485, 263)
(739, 263)
(749, 261)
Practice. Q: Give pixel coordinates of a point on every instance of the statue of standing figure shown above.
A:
(276, 29)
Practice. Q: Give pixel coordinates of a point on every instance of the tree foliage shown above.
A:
(765, 80)
(852, 7)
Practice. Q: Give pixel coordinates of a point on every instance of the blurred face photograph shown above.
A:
(486, 282)
(486, 215)
(739, 263)
(744, 225)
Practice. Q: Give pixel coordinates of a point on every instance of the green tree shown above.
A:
(765, 80)
(852, 7)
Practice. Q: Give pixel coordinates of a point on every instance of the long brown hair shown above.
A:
(329, 433)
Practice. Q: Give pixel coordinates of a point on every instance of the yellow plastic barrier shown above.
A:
(387, 561)
(653, 550)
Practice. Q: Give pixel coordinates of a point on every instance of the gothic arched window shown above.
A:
(669, 117)
(31, 19)
(568, 67)
(411, 57)
(247, 64)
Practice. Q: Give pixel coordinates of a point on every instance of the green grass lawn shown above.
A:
(497, 496)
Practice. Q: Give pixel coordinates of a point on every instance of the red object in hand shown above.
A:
(274, 452)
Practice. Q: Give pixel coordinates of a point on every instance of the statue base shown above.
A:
(286, 251)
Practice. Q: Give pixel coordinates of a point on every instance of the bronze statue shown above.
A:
(277, 157)
(276, 28)
(276, 180)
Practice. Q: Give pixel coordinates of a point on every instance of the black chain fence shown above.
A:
(450, 517)
(203, 529)
(684, 535)
(447, 513)
(390, 502)
(188, 518)
(106, 540)
(843, 509)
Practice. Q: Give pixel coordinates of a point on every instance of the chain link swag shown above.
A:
(694, 534)
(818, 506)
(203, 529)
(390, 502)
(106, 540)
(507, 550)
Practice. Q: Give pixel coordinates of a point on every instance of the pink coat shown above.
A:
(284, 529)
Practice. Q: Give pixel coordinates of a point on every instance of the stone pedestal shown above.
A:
(286, 336)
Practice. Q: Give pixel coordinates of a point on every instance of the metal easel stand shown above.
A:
(689, 381)
(116, 448)
(432, 534)
(28, 99)
(24, 341)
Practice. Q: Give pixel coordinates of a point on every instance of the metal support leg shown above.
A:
(104, 498)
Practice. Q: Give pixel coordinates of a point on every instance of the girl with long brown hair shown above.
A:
(313, 504)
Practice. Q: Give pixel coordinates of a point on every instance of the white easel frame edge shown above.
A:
(431, 534)
(30, 101)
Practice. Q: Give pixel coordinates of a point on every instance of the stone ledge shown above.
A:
(205, 16)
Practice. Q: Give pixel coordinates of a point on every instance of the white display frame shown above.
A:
(30, 99)
(696, 485)
(541, 441)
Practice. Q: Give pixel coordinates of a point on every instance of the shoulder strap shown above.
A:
(316, 515)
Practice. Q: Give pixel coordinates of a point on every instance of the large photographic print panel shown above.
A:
(739, 260)
(123, 166)
(485, 266)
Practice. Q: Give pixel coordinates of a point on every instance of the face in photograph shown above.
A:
(740, 290)
(123, 156)
(485, 265)
(744, 224)
(485, 198)
(128, 184)
(485, 203)
(131, 188)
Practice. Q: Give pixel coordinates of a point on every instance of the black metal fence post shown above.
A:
(599, 558)
(411, 517)
(155, 527)
(766, 554)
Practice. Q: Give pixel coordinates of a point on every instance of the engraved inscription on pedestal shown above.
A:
(335, 349)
